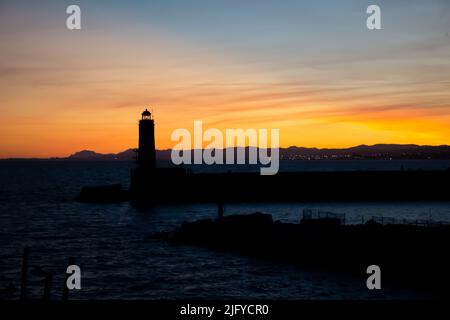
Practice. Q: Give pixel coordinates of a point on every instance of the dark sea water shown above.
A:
(112, 243)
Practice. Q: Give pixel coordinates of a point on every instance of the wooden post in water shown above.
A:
(220, 210)
(24, 274)
(48, 286)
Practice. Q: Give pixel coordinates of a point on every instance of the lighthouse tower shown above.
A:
(147, 152)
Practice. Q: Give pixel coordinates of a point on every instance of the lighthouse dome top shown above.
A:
(146, 115)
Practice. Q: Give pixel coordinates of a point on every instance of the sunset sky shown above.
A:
(310, 68)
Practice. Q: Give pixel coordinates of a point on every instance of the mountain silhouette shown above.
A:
(377, 151)
(90, 155)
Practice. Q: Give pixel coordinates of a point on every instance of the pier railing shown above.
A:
(417, 222)
(309, 214)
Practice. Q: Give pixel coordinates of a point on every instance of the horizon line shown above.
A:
(235, 147)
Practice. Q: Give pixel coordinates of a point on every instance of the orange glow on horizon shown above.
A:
(115, 130)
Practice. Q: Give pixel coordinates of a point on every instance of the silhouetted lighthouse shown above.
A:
(147, 182)
(147, 153)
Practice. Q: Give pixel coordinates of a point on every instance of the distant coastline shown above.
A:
(361, 152)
